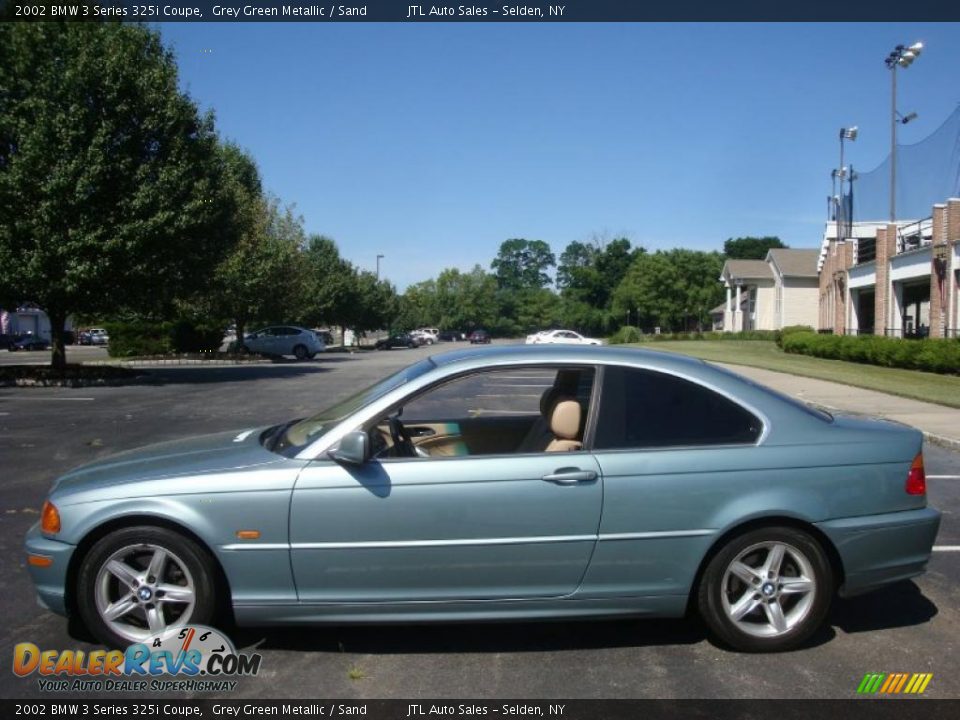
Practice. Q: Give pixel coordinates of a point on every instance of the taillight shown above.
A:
(917, 478)
(50, 518)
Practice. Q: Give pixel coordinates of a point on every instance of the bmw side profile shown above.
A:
(506, 483)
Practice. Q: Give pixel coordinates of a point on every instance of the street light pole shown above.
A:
(901, 56)
(845, 134)
(379, 258)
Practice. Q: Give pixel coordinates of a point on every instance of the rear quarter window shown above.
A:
(648, 409)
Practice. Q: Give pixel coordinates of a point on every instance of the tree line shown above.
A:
(120, 200)
(598, 286)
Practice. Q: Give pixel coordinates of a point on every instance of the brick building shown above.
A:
(898, 279)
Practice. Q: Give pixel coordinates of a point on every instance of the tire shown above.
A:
(300, 352)
(131, 551)
(311, 356)
(770, 620)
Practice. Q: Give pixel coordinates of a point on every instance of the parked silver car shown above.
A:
(510, 483)
(285, 340)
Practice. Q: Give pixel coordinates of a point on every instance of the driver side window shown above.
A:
(492, 412)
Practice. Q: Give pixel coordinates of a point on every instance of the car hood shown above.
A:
(193, 456)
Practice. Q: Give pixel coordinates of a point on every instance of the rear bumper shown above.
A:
(49, 581)
(877, 550)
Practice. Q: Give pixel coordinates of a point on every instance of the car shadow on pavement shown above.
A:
(899, 605)
(474, 637)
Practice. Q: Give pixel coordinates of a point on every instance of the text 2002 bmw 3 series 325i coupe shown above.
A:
(506, 483)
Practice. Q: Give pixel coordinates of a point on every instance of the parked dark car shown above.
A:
(397, 341)
(29, 342)
(452, 336)
(479, 337)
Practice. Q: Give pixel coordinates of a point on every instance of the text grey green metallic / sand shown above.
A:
(505, 483)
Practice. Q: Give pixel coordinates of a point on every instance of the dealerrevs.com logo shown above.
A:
(201, 659)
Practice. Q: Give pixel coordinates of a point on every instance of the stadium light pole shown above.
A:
(845, 134)
(379, 258)
(901, 56)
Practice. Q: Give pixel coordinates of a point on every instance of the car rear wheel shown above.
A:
(140, 582)
(300, 352)
(767, 590)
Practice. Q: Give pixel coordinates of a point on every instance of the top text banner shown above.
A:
(533, 11)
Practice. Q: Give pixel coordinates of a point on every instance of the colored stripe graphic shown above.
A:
(894, 683)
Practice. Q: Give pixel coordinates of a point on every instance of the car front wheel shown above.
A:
(140, 582)
(300, 352)
(767, 590)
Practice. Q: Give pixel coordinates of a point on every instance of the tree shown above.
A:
(670, 289)
(523, 264)
(331, 284)
(264, 277)
(110, 181)
(587, 276)
(466, 300)
(576, 270)
(417, 306)
(750, 248)
(375, 306)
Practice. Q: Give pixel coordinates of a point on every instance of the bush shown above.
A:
(137, 339)
(131, 339)
(626, 334)
(189, 337)
(937, 356)
(791, 330)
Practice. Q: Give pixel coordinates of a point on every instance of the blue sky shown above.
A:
(433, 143)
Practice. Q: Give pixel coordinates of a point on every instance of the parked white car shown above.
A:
(561, 337)
(428, 336)
(285, 340)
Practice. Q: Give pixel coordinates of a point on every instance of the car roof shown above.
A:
(567, 353)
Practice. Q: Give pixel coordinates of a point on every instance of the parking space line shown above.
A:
(943, 477)
(27, 397)
(946, 548)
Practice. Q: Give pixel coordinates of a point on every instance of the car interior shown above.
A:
(528, 410)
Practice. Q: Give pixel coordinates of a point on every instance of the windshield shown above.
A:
(292, 439)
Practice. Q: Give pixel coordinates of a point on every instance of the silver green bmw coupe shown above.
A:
(510, 483)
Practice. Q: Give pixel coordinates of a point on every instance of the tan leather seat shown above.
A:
(539, 435)
(565, 426)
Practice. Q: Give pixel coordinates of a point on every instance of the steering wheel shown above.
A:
(402, 443)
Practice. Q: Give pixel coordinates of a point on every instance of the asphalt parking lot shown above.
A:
(910, 627)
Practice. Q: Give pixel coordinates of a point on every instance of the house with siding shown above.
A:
(773, 293)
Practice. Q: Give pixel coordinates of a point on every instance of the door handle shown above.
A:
(570, 476)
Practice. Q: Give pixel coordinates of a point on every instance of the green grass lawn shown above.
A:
(929, 387)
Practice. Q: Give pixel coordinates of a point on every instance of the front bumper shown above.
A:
(877, 550)
(49, 581)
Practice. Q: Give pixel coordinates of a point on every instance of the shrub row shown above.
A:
(938, 356)
(135, 339)
(630, 334)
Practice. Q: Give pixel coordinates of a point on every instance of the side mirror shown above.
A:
(354, 449)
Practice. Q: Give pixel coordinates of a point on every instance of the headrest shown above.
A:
(565, 420)
(547, 400)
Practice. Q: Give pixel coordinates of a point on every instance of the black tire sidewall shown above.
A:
(198, 563)
(300, 352)
(710, 601)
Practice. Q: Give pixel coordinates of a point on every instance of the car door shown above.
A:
(671, 452)
(476, 527)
